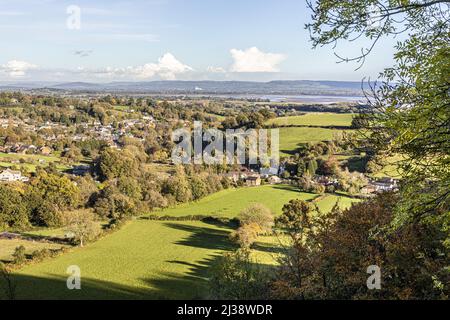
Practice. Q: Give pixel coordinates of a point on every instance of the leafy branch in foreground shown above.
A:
(409, 112)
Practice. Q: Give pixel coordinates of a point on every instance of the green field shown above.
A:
(228, 203)
(28, 157)
(327, 202)
(290, 138)
(145, 259)
(391, 168)
(156, 259)
(314, 119)
(7, 247)
(32, 161)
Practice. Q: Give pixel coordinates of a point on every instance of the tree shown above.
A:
(178, 186)
(330, 167)
(312, 167)
(198, 187)
(114, 163)
(129, 187)
(331, 262)
(235, 276)
(13, 210)
(258, 215)
(246, 235)
(19, 255)
(154, 200)
(296, 218)
(49, 195)
(409, 108)
(300, 168)
(112, 204)
(82, 224)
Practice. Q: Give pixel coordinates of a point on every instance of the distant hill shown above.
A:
(297, 87)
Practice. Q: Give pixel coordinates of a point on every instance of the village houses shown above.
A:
(9, 175)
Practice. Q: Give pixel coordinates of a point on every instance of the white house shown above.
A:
(9, 175)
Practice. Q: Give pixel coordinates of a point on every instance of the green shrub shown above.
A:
(19, 255)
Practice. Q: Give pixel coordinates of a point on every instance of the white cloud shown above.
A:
(167, 68)
(16, 68)
(254, 60)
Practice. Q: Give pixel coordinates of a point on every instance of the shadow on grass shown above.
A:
(286, 187)
(264, 247)
(356, 163)
(190, 284)
(203, 237)
(167, 287)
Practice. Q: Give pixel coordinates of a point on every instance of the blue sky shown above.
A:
(116, 40)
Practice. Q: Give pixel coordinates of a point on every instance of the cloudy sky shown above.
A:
(140, 40)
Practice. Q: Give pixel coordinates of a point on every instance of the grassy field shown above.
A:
(28, 157)
(7, 247)
(157, 259)
(327, 202)
(290, 138)
(228, 203)
(390, 168)
(314, 119)
(145, 259)
(32, 161)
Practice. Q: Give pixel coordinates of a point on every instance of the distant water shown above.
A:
(319, 99)
(311, 99)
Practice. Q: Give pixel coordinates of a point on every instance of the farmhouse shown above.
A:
(380, 185)
(385, 184)
(369, 189)
(9, 175)
(253, 181)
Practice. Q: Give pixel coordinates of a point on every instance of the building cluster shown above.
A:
(380, 185)
(9, 175)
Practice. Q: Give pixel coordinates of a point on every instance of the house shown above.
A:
(380, 185)
(326, 181)
(369, 189)
(9, 175)
(253, 181)
(275, 180)
(385, 184)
